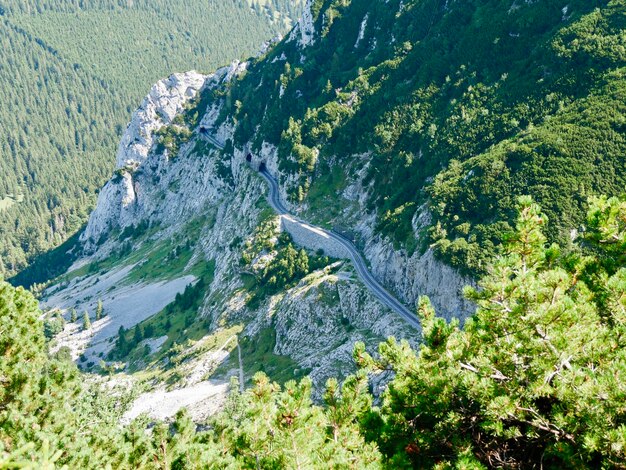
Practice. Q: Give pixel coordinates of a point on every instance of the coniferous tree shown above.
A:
(32, 381)
(137, 335)
(121, 345)
(99, 310)
(60, 319)
(148, 331)
(538, 369)
(73, 315)
(86, 321)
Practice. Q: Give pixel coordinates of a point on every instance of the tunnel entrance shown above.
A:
(262, 167)
(249, 157)
(203, 130)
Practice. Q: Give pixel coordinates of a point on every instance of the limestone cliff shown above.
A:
(304, 31)
(199, 191)
(117, 199)
(316, 322)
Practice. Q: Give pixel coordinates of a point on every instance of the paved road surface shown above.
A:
(359, 263)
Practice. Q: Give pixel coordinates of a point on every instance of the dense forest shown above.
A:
(535, 379)
(71, 74)
(457, 106)
(506, 119)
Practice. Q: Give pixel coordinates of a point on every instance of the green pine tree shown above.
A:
(73, 316)
(99, 310)
(86, 321)
(121, 345)
(533, 377)
(137, 335)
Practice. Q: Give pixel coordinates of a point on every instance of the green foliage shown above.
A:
(99, 310)
(34, 385)
(557, 161)
(172, 137)
(122, 347)
(263, 238)
(323, 204)
(536, 376)
(504, 100)
(68, 92)
(49, 265)
(135, 232)
(456, 110)
(53, 325)
(267, 427)
(285, 267)
(86, 321)
(288, 266)
(47, 421)
(258, 355)
(606, 230)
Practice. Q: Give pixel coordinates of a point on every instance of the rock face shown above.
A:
(127, 198)
(361, 31)
(159, 188)
(316, 322)
(416, 274)
(116, 200)
(304, 31)
(113, 199)
(420, 274)
(165, 100)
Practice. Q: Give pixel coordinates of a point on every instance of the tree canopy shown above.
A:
(536, 378)
(68, 92)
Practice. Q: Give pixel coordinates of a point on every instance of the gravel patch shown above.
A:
(202, 400)
(124, 305)
(208, 362)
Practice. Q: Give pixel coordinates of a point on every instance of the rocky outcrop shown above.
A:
(304, 31)
(114, 197)
(117, 199)
(143, 184)
(412, 276)
(361, 31)
(408, 275)
(318, 321)
(165, 100)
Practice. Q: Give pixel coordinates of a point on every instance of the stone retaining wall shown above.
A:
(312, 238)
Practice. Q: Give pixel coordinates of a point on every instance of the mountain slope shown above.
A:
(184, 251)
(491, 93)
(415, 156)
(409, 128)
(68, 91)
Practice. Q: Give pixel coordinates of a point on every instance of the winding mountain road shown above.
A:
(357, 259)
